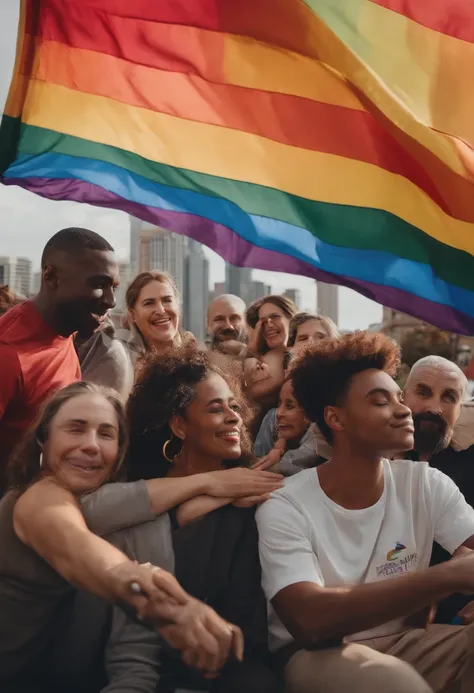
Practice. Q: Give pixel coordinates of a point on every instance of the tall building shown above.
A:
(196, 292)
(36, 282)
(256, 290)
(16, 273)
(294, 295)
(125, 278)
(153, 248)
(237, 281)
(328, 301)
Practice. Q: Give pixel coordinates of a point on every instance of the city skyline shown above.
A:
(29, 220)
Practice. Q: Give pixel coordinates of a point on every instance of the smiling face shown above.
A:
(373, 416)
(292, 423)
(156, 314)
(82, 446)
(434, 394)
(83, 287)
(275, 325)
(226, 319)
(211, 426)
(309, 333)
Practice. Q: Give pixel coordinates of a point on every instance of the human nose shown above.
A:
(403, 412)
(227, 324)
(90, 444)
(232, 416)
(108, 298)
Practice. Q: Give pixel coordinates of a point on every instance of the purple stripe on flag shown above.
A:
(231, 247)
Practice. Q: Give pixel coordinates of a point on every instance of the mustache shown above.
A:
(434, 419)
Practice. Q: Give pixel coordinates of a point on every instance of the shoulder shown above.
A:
(418, 474)
(292, 497)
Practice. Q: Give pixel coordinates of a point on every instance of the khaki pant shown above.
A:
(438, 659)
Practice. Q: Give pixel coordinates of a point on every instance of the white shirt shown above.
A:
(306, 537)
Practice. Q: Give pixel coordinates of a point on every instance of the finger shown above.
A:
(270, 476)
(261, 465)
(237, 643)
(167, 583)
(223, 633)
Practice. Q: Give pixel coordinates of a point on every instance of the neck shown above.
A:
(352, 478)
(49, 313)
(190, 462)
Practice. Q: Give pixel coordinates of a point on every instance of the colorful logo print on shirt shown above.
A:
(394, 553)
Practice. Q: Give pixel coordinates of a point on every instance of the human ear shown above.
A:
(50, 276)
(178, 426)
(332, 418)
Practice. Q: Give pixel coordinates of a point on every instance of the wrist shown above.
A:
(448, 578)
(207, 483)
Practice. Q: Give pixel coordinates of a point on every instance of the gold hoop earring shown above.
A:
(165, 446)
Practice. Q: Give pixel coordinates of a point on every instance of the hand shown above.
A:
(269, 460)
(467, 614)
(150, 590)
(251, 501)
(254, 338)
(240, 482)
(206, 640)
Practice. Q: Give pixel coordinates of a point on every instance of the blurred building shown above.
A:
(36, 283)
(153, 248)
(125, 275)
(294, 295)
(257, 290)
(237, 281)
(16, 273)
(328, 301)
(196, 290)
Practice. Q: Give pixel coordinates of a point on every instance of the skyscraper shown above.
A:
(328, 301)
(153, 248)
(16, 273)
(294, 295)
(196, 292)
(237, 281)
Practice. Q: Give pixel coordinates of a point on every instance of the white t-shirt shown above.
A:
(306, 537)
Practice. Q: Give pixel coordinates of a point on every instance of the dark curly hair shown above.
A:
(323, 375)
(165, 387)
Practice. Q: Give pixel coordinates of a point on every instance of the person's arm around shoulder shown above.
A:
(120, 505)
(48, 519)
(11, 377)
(313, 613)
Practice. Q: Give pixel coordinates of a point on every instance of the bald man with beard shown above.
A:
(226, 325)
(435, 391)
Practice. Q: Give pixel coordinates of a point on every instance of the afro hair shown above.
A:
(322, 376)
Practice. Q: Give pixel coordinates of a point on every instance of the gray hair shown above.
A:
(441, 364)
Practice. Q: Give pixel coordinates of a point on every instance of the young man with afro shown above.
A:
(345, 548)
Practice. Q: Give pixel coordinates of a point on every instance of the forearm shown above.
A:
(337, 612)
(117, 506)
(167, 493)
(198, 507)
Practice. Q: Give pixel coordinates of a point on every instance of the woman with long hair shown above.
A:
(153, 317)
(291, 449)
(59, 479)
(187, 416)
(267, 355)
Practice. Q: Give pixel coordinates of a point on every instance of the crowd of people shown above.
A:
(264, 512)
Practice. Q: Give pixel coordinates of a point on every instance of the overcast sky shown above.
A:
(27, 220)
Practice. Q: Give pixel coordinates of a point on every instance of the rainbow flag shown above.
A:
(327, 138)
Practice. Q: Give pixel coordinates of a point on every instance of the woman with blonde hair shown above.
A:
(153, 318)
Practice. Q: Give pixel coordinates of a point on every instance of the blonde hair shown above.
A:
(141, 280)
(301, 318)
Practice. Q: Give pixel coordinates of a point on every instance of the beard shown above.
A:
(227, 335)
(431, 433)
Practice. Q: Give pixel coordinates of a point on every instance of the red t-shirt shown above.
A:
(34, 362)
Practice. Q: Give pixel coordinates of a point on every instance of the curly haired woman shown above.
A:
(187, 416)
